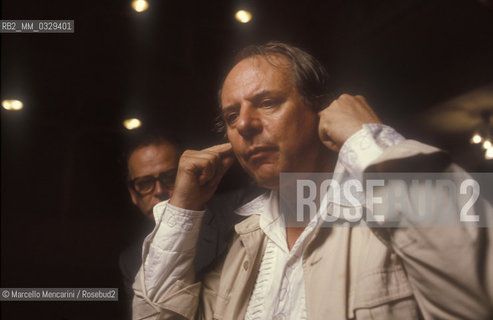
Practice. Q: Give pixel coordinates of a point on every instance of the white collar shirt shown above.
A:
(279, 291)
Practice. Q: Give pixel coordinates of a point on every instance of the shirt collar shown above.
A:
(267, 205)
(260, 204)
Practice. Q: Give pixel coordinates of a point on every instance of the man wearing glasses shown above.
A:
(151, 163)
(151, 172)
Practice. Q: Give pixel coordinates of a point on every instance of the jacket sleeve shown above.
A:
(165, 286)
(450, 268)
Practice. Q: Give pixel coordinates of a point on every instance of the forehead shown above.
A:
(152, 159)
(255, 74)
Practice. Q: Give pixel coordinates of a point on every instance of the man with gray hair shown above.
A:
(279, 118)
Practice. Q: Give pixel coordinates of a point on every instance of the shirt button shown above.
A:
(279, 317)
(245, 265)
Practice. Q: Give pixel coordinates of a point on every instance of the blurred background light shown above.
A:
(12, 105)
(476, 138)
(243, 16)
(140, 5)
(487, 144)
(489, 154)
(131, 124)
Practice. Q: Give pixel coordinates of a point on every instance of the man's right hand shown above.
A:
(199, 173)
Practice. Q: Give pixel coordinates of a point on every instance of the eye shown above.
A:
(167, 180)
(145, 184)
(230, 117)
(268, 103)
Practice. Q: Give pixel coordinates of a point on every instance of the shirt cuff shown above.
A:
(177, 229)
(366, 145)
(170, 249)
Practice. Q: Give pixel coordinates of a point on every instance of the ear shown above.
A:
(133, 195)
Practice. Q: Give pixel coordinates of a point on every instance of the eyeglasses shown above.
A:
(146, 184)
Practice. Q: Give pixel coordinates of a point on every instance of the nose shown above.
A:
(160, 192)
(249, 123)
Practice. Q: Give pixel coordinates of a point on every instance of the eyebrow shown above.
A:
(167, 172)
(255, 99)
(230, 108)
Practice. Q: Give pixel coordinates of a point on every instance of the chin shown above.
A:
(265, 175)
(269, 185)
(267, 181)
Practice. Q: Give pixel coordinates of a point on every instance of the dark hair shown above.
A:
(143, 138)
(310, 77)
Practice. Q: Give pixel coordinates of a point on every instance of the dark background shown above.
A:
(65, 212)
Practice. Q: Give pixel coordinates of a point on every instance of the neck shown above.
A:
(326, 162)
(292, 234)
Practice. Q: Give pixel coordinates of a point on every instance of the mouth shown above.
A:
(258, 152)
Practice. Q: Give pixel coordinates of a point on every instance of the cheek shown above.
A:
(232, 138)
(285, 132)
(146, 200)
(235, 141)
(241, 161)
(299, 134)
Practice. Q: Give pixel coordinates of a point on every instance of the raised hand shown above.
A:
(199, 173)
(342, 118)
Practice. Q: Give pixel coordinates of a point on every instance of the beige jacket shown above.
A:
(353, 273)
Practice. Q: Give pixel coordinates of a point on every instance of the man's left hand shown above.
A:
(342, 118)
